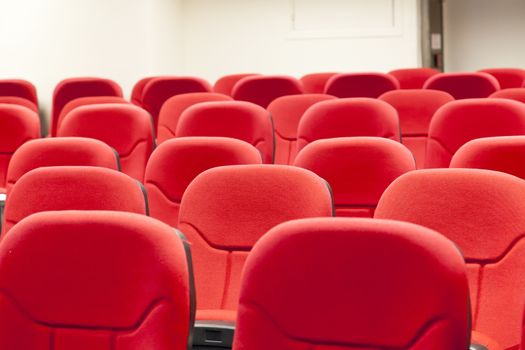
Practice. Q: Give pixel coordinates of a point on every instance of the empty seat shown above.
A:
(138, 89)
(17, 125)
(70, 89)
(483, 212)
(176, 162)
(159, 89)
(225, 84)
(517, 94)
(415, 108)
(236, 119)
(360, 84)
(18, 88)
(348, 117)
(315, 83)
(174, 106)
(357, 283)
(464, 85)
(57, 151)
(460, 121)
(19, 101)
(94, 280)
(286, 112)
(413, 78)
(358, 169)
(503, 153)
(263, 89)
(507, 77)
(73, 188)
(125, 127)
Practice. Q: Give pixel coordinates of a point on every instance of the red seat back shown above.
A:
(138, 89)
(18, 88)
(360, 84)
(315, 83)
(507, 77)
(225, 84)
(19, 101)
(464, 85)
(263, 89)
(517, 94)
(413, 78)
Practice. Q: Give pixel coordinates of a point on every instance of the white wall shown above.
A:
(484, 33)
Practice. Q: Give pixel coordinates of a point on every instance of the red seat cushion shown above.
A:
(517, 94)
(360, 84)
(507, 77)
(464, 85)
(84, 101)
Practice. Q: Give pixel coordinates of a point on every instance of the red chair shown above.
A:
(70, 89)
(18, 88)
(517, 94)
(315, 83)
(358, 169)
(159, 89)
(415, 108)
(460, 121)
(348, 117)
(263, 89)
(464, 85)
(172, 109)
(138, 89)
(483, 212)
(226, 83)
(95, 280)
(360, 85)
(357, 283)
(236, 119)
(176, 162)
(19, 101)
(413, 78)
(286, 112)
(125, 127)
(507, 77)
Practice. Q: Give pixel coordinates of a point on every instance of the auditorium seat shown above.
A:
(17, 125)
(138, 89)
(18, 88)
(224, 211)
(125, 127)
(19, 101)
(159, 89)
(415, 108)
(225, 84)
(95, 280)
(236, 119)
(72, 88)
(286, 112)
(315, 83)
(464, 85)
(358, 169)
(72, 188)
(348, 117)
(460, 121)
(176, 162)
(507, 77)
(263, 89)
(413, 78)
(57, 151)
(517, 94)
(483, 212)
(174, 106)
(333, 283)
(360, 84)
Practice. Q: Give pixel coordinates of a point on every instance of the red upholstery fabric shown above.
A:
(358, 169)
(17, 125)
(84, 101)
(360, 84)
(286, 112)
(263, 89)
(225, 210)
(483, 212)
(236, 119)
(415, 108)
(503, 153)
(464, 85)
(70, 89)
(315, 83)
(413, 78)
(348, 117)
(57, 151)
(18, 88)
(138, 89)
(159, 89)
(18, 101)
(507, 77)
(226, 83)
(350, 284)
(176, 162)
(517, 94)
(460, 121)
(94, 280)
(72, 188)
(174, 106)
(125, 127)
